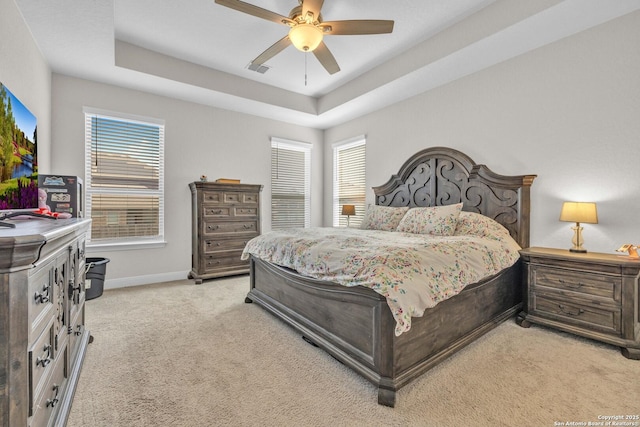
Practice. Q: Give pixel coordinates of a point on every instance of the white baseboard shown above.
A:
(144, 280)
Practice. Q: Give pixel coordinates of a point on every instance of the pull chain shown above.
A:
(305, 68)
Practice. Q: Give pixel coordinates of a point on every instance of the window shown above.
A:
(290, 184)
(124, 178)
(349, 186)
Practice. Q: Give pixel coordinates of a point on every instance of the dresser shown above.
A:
(594, 295)
(224, 218)
(43, 339)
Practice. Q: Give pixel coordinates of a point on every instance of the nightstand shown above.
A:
(594, 295)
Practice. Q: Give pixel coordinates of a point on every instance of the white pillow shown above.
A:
(475, 224)
(385, 218)
(435, 220)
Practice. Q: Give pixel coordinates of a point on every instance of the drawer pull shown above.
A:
(571, 285)
(45, 359)
(248, 226)
(217, 212)
(213, 227)
(53, 402)
(43, 297)
(570, 313)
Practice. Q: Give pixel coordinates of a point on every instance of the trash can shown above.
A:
(95, 270)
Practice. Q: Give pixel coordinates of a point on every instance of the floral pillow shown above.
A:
(435, 220)
(385, 218)
(475, 224)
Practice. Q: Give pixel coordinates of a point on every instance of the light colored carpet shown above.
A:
(179, 354)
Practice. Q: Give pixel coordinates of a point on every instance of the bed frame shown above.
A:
(355, 325)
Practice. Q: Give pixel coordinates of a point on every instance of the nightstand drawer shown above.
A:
(586, 283)
(572, 312)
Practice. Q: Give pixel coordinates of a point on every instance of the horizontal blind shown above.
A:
(290, 184)
(349, 186)
(124, 178)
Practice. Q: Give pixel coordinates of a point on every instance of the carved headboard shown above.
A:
(443, 176)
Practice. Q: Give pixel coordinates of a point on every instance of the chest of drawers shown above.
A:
(593, 295)
(42, 335)
(224, 218)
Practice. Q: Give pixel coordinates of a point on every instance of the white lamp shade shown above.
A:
(584, 212)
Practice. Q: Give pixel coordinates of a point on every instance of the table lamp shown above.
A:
(579, 212)
(348, 210)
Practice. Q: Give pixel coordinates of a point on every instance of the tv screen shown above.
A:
(18, 154)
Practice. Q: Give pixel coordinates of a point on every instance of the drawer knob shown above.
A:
(53, 402)
(43, 297)
(45, 359)
(570, 313)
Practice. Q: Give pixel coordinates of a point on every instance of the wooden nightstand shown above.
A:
(592, 294)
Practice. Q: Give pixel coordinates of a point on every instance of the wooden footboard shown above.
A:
(355, 324)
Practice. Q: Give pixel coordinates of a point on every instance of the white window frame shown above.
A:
(139, 242)
(338, 219)
(304, 147)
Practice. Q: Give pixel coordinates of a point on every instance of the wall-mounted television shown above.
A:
(18, 154)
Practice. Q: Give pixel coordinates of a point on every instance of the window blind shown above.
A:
(124, 178)
(349, 183)
(290, 184)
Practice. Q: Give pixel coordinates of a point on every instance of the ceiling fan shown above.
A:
(307, 29)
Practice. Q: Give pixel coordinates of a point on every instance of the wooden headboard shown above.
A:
(443, 176)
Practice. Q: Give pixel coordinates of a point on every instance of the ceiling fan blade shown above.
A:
(354, 27)
(255, 11)
(326, 58)
(312, 6)
(275, 49)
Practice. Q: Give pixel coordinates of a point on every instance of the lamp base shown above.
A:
(580, 251)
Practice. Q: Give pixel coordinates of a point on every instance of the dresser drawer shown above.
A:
(222, 245)
(587, 284)
(41, 356)
(232, 227)
(592, 317)
(216, 212)
(41, 299)
(229, 260)
(212, 196)
(76, 330)
(46, 403)
(229, 197)
(245, 211)
(249, 198)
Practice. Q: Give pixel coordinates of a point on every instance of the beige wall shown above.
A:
(199, 140)
(568, 112)
(24, 71)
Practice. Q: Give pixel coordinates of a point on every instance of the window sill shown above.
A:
(124, 246)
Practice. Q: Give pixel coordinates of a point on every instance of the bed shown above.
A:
(356, 326)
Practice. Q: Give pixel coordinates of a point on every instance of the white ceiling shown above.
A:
(198, 51)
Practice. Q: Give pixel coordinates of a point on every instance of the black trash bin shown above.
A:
(96, 270)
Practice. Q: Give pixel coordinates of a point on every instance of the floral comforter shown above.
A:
(412, 271)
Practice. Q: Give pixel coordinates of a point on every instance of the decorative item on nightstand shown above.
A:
(632, 249)
(348, 210)
(579, 212)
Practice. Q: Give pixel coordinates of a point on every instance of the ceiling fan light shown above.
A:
(305, 37)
